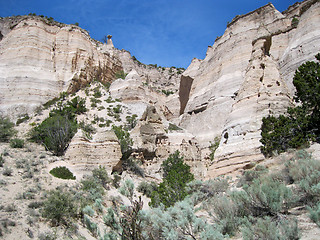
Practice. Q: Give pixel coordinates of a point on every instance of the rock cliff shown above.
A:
(39, 58)
(246, 75)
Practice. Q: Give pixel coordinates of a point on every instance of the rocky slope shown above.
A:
(246, 75)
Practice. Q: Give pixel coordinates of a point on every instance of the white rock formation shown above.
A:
(38, 60)
(86, 155)
(246, 75)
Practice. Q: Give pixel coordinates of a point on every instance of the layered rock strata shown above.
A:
(246, 75)
(86, 155)
(39, 58)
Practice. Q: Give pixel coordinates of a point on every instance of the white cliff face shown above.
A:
(247, 75)
(38, 61)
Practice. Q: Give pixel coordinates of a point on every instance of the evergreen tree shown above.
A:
(307, 83)
(300, 124)
(176, 174)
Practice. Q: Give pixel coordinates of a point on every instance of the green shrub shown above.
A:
(109, 100)
(48, 235)
(50, 102)
(124, 139)
(264, 196)
(71, 108)
(201, 191)
(305, 171)
(1, 160)
(23, 119)
(62, 172)
(17, 143)
(112, 220)
(77, 105)
(176, 175)
(22, 163)
(93, 105)
(97, 93)
(60, 208)
(101, 176)
(132, 165)
(98, 205)
(117, 109)
(227, 213)
(131, 121)
(127, 188)
(173, 127)
(268, 228)
(4, 224)
(92, 189)
(252, 174)
(88, 129)
(126, 224)
(213, 147)
(116, 180)
(314, 213)
(55, 133)
(121, 74)
(91, 226)
(10, 208)
(284, 132)
(7, 171)
(179, 222)
(6, 129)
(88, 210)
(167, 92)
(294, 22)
(35, 205)
(147, 188)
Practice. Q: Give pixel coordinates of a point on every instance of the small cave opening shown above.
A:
(267, 46)
(225, 136)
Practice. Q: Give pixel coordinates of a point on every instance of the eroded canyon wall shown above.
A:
(246, 75)
(39, 59)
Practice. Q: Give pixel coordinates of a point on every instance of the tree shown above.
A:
(176, 175)
(300, 124)
(125, 141)
(307, 83)
(283, 132)
(55, 133)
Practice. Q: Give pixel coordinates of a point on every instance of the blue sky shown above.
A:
(163, 32)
